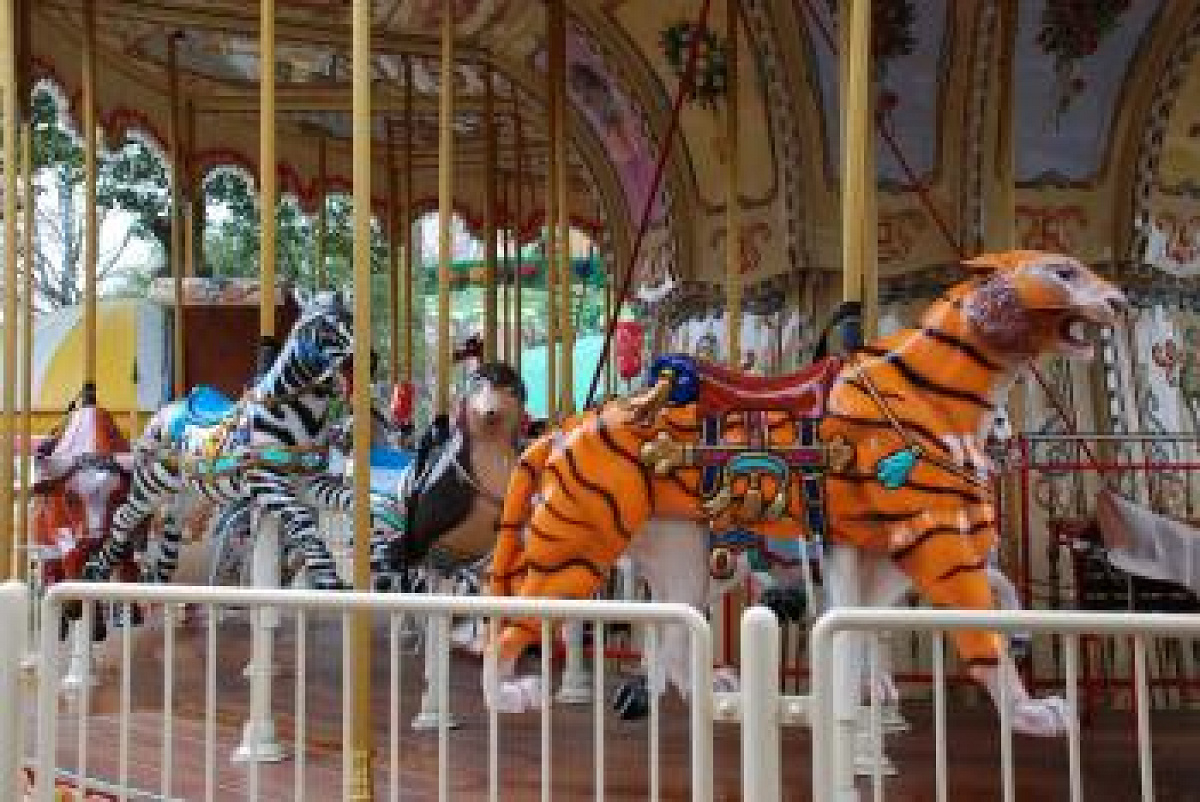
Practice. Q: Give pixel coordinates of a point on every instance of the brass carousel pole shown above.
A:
(733, 210)
(445, 210)
(518, 201)
(193, 205)
(489, 215)
(393, 232)
(11, 111)
(553, 66)
(505, 344)
(858, 142)
(563, 220)
(26, 365)
(267, 185)
(362, 785)
(406, 222)
(174, 132)
(90, 235)
(322, 213)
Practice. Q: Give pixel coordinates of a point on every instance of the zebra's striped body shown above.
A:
(251, 455)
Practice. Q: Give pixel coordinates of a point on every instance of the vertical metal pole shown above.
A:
(445, 209)
(21, 557)
(858, 181)
(518, 207)
(174, 135)
(267, 184)
(90, 237)
(733, 217)
(362, 789)
(393, 232)
(194, 206)
(11, 111)
(760, 647)
(504, 346)
(322, 212)
(563, 252)
(489, 214)
(407, 222)
(553, 65)
(28, 234)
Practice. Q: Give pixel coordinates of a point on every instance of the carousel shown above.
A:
(563, 339)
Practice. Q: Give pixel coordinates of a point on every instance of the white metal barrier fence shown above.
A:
(833, 729)
(265, 607)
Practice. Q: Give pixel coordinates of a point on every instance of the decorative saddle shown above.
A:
(202, 407)
(727, 400)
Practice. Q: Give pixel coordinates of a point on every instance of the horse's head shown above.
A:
(493, 403)
(324, 335)
(1028, 303)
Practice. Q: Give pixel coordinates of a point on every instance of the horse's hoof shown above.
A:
(787, 603)
(631, 702)
(72, 610)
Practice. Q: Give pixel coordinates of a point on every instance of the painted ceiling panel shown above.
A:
(1064, 116)
(911, 85)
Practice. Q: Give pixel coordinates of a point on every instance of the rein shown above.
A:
(893, 470)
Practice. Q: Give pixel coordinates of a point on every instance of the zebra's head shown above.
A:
(324, 335)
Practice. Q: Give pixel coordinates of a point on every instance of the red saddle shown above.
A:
(802, 393)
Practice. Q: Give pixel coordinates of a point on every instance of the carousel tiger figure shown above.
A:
(904, 502)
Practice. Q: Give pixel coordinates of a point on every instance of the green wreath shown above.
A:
(712, 68)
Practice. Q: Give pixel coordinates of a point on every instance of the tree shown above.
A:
(133, 179)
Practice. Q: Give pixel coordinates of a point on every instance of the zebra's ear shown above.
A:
(303, 297)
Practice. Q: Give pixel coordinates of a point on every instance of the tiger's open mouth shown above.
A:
(1079, 336)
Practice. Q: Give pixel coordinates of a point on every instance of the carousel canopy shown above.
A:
(1104, 106)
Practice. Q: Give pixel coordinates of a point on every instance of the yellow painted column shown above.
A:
(489, 215)
(268, 183)
(193, 207)
(563, 220)
(553, 317)
(406, 222)
(90, 234)
(21, 559)
(11, 109)
(445, 211)
(504, 343)
(393, 233)
(858, 143)
(174, 137)
(518, 207)
(322, 214)
(362, 783)
(733, 215)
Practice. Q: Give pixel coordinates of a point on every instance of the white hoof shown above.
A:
(1044, 718)
(518, 695)
(726, 680)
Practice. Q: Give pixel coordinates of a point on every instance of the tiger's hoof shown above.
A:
(518, 695)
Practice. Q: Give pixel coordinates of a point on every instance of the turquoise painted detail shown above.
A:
(893, 471)
(750, 462)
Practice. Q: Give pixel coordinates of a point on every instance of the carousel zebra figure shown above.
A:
(268, 449)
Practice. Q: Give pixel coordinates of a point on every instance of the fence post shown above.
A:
(760, 706)
(13, 628)
(259, 743)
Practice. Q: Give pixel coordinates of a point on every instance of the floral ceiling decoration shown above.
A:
(1072, 30)
(712, 61)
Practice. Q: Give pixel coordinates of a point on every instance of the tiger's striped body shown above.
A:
(939, 382)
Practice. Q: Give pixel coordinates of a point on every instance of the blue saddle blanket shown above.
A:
(203, 406)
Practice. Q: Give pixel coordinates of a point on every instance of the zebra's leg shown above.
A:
(272, 493)
(387, 521)
(151, 483)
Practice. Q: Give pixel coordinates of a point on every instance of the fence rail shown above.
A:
(831, 780)
(264, 605)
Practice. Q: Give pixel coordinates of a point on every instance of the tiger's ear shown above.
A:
(982, 265)
(985, 264)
